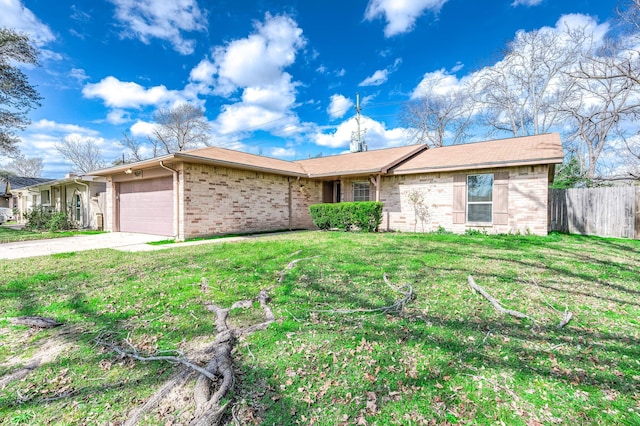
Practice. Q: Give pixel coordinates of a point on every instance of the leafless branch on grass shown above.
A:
(566, 316)
(497, 305)
(397, 306)
(291, 265)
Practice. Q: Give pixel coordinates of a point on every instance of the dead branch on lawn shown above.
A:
(566, 316)
(18, 374)
(134, 354)
(178, 380)
(291, 265)
(35, 322)
(216, 378)
(476, 288)
(217, 373)
(397, 306)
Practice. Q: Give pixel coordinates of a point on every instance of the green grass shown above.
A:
(9, 235)
(220, 236)
(448, 358)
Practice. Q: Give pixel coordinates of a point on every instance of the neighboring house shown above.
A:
(499, 186)
(82, 197)
(9, 186)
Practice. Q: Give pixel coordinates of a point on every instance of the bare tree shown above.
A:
(520, 94)
(85, 154)
(17, 96)
(181, 127)
(26, 167)
(601, 104)
(137, 148)
(437, 117)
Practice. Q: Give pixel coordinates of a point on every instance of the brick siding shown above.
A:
(218, 200)
(527, 201)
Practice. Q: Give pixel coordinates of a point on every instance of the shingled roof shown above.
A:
(527, 150)
(17, 182)
(359, 163)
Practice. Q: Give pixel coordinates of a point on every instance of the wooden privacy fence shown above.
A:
(605, 212)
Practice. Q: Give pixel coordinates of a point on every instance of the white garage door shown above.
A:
(146, 206)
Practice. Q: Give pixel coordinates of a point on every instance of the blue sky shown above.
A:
(277, 78)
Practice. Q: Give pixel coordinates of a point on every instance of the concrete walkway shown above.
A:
(123, 241)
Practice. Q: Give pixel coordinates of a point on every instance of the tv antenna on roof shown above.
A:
(358, 143)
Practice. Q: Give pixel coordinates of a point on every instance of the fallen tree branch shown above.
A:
(35, 322)
(178, 380)
(133, 353)
(566, 318)
(397, 306)
(216, 378)
(495, 303)
(19, 374)
(291, 265)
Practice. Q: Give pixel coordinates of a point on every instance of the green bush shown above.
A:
(363, 216)
(43, 219)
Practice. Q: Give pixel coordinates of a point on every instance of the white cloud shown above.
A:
(117, 116)
(436, 82)
(377, 135)
(578, 21)
(242, 117)
(161, 19)
(376, 79)
(381, 76)
(256, 60)
(79, 74)
(254, 65)
(14, 15)
(283, 152)
(42, 136)
(400, 15)
(122, 94)
(142, 128)
(457, 67)
(53, 127)
(526, 3)
(339, 106)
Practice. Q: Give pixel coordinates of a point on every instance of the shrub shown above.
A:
(362, 216)
(43, 219)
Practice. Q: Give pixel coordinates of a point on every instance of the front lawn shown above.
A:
(332, 357)
(10, 235)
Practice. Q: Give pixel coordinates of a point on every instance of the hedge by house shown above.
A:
(362, 215)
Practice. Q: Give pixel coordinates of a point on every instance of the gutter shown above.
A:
(485, 165)
(88, 199)
(176, 198)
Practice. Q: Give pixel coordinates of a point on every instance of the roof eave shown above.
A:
(488, 165)
(347, 173)
(144, 164)
(403, 158)
(243, 166)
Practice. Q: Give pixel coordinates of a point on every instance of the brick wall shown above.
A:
(527, 202)
(218, 200)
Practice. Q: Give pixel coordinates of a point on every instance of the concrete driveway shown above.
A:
(124, 241)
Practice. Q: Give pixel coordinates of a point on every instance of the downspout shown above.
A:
(176, 199)
(88, 200)
(289, 201)
(376, 183)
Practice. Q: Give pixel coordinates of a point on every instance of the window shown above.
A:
(45, 197)
(361, 191)
(78, 208)
(480, 198)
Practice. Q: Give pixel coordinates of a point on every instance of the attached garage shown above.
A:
(146, 206)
